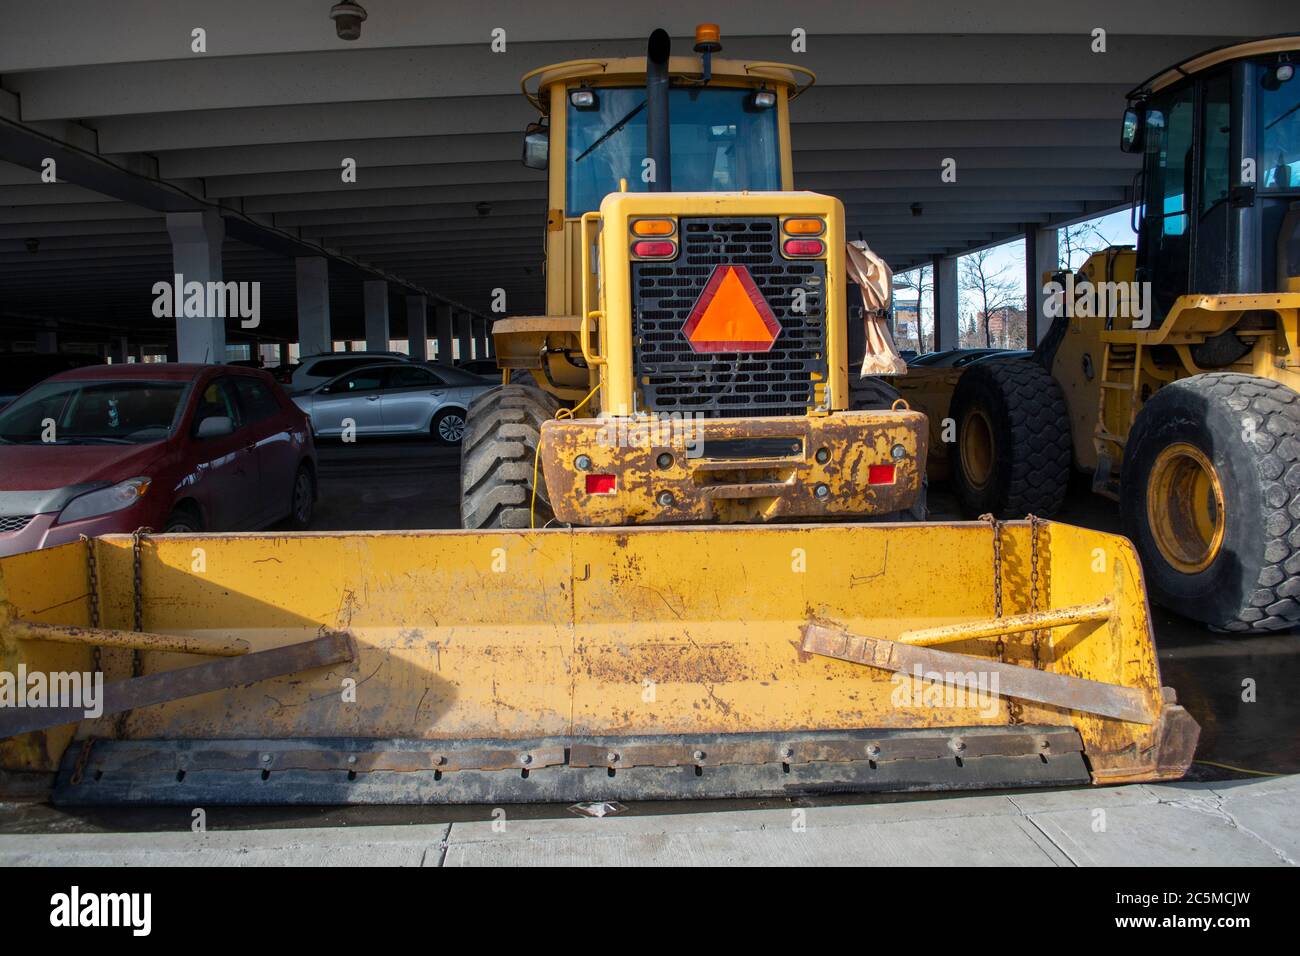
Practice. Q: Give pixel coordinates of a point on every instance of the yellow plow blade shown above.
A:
(587, 664)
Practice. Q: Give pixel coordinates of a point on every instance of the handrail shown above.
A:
(584, 332)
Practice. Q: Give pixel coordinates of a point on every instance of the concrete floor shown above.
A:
(1236, 823)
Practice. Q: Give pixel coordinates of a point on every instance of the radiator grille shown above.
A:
(10, 523)
(674, 378)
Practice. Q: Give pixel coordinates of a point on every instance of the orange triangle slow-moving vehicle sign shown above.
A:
(731, 315)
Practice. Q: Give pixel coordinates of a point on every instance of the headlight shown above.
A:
(105, 501)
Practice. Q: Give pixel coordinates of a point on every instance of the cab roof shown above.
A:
(1283, 43)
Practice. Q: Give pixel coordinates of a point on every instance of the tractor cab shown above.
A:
(1220, 177)
(693, 124)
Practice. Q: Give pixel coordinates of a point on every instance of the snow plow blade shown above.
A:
(583, 664)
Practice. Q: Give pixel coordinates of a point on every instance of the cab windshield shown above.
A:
(1279, 133)
(720, 143)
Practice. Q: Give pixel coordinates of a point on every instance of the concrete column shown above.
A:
(442, 332)
(196, 257)
(489, 350)
(945, 302)
(47, 338)
(119, 349)
(417, 327)
(1042, 254)
(465, 336)
(376, 300)
(313, 280)
(480, 338)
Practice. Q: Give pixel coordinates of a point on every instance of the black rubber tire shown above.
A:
(1031, 451)
(297, 521)
(436, 429)
(1253, 585)
(871, 394)
(184, 519)
(502, 431)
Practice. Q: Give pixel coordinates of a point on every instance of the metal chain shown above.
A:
(1034, 523)
(137, 609)
(997, 578)
(96, 652)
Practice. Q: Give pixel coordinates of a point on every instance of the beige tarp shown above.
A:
(875, 279)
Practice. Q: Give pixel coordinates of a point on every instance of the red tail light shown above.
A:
(804, 247)
(880, 475)
(654, 249)
(602, 484)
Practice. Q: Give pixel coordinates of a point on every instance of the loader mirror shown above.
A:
(1130, 137)
(537, 146)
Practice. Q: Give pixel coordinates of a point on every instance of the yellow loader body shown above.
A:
(590, 664)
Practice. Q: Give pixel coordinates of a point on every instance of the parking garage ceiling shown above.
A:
(260, 123)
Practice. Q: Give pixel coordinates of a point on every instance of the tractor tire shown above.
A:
(1013, 453)
(503, 428)
(871, 394)
(1210, 495)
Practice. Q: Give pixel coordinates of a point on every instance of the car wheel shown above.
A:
(449, 427)
(302, 504)
(183, 520)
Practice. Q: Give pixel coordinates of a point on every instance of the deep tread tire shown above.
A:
(1253, 585)
(871, 394)
(1031, 450)
(502, 431)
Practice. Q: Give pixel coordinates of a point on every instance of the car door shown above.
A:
(410, 397)
(354, 396)
(277, 456)
(225, 470)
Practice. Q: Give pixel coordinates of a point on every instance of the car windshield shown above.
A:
(83, 413)
(1279, 131)
(719, 143)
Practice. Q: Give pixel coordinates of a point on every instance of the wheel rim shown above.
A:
(1185, 508)
(302, 497)
(976, 448)
(451, 428)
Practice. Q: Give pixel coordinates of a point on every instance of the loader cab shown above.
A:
(729, 132)
(1220, 141)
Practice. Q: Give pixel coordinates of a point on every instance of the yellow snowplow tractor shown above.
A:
(1170, 371)
(579, 664)
(692, 365)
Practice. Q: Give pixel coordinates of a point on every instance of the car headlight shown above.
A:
(105, 501)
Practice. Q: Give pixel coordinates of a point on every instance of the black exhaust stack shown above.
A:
(656, 99)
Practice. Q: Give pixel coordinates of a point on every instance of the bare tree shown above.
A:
(1079, 242)
(918, 283)
(989, 284)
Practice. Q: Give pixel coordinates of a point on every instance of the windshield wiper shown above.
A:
(1284, 115)
(611, 131)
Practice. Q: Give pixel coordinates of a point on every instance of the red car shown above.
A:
(113, 448)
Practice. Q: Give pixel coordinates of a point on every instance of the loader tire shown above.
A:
(871, 394)
(502, 429)
(1210, 495)
(1013, 453)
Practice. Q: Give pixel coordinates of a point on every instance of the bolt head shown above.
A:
(582, 463)
(897, 452)
(822, 491)
(698, 755)
(612, 757)
(823, 456)
(525, 759)
(665, 460)
(666, 499)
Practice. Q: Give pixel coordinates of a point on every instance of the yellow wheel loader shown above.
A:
(634, 610)
(1170, 371)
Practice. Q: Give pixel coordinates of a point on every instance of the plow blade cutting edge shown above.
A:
(583, 664)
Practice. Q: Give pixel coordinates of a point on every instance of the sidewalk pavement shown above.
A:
(1241, 823)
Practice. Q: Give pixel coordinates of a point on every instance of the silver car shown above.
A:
(395, 398)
